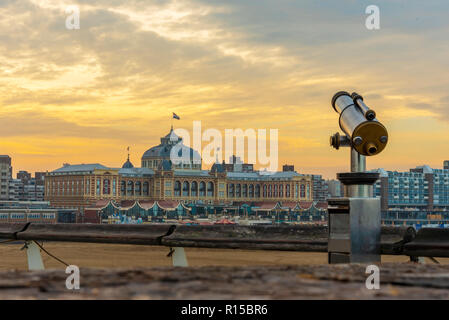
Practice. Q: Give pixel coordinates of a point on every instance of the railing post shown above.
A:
(179, 258)
(34, 256)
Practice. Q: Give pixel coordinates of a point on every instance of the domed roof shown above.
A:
(172, 136)
(163, 150)
(127, 165)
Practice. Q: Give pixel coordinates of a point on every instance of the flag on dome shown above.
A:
(175, 116)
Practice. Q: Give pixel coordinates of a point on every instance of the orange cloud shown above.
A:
(84, 95)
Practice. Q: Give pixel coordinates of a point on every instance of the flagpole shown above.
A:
(174, 116)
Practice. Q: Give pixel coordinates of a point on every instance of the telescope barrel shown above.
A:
(341, 100)
(367, 112)
(368, 136)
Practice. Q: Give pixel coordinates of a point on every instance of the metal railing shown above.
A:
(427, 242)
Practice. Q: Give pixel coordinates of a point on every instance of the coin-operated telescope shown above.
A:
(363, 131)
(354, 220)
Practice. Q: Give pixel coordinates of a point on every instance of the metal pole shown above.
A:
(358, 161)
(358, 164)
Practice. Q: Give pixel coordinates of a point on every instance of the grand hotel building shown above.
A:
(85, 185)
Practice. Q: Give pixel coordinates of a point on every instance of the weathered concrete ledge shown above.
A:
(305, 238)
(398, 281)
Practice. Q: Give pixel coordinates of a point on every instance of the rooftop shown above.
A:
(80, 168)
(262, 175)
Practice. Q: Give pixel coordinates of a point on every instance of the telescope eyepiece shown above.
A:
(370, 115)
(338, 141)
(371, 149)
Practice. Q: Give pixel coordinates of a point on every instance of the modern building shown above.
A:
(40, 178)
(5, 176)
(33, 190)
(236, 165)
(288, 167)
(320, 188)
(26, 188)
(15, 190)
(25, 176)
(34, 211)
(418, 196)
(159, 179)
(335, 189)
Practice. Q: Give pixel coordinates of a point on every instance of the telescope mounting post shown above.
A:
(355, 219)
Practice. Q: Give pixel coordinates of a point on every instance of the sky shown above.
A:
(85, 95)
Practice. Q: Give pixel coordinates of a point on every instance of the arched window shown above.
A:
(270, 191)
(245, 191)
(238, 190)
(281, 191)
(257, 190)
(303, 191)
(138, 189)
(275, 190)
(146, 188)
(287, 191)
(122, 187)
(106, 186)
(130, 188)
(264, 190)
(210, 189)
(185, 189)
(202, 189)
(177, 189)
(194, 189)
(231, 191)
(251, 191)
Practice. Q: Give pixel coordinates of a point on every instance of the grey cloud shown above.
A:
(440, 109)
(328, 39)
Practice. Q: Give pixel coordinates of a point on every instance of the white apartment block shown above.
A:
(5, 176)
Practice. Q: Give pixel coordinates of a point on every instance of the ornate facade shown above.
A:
(82, 186)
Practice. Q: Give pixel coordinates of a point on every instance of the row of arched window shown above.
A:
(131, 188)
(268, 191)
(201, 189)
(189, 189)
(193, 189)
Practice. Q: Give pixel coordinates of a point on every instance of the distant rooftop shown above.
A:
(80, 168)
(257, 175)
(188, 173)
(135, 171)
(417, 170)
